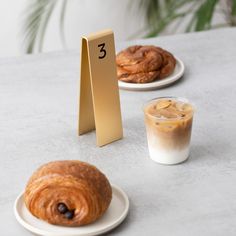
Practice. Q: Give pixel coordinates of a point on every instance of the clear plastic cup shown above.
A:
(168, 123)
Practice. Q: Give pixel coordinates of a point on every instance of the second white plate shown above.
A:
(177, 74)
(114, 215)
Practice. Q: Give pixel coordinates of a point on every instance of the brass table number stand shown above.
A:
(99, 101)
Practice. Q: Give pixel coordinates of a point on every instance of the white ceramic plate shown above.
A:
(115, 214)
(177, 74)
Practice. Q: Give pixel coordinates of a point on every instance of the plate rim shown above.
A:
(109, 227)
(156, 84)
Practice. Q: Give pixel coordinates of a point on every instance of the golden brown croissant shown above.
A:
(69, 193)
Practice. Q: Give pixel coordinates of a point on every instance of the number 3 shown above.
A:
(102, 50)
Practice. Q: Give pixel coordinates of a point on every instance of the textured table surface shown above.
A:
(38, 121)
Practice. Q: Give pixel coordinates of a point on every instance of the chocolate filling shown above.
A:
(63, 209)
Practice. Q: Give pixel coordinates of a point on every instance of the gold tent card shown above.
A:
(99, 101)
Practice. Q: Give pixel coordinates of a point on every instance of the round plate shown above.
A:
(177, 74)
(114, 215)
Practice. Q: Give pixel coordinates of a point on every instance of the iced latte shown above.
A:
(168, 123)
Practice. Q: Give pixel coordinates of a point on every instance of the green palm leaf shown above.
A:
(204, 14)
(160, 14)
(37, 16)
(234, 7)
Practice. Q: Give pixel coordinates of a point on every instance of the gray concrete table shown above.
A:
(38, 121)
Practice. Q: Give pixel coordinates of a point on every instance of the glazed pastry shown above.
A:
(69, 193)
(144, 64)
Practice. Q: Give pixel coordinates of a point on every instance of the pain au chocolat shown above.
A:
(68, 193)
(144, 64)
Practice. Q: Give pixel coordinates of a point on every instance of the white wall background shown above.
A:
(9, 26)
(82, 17)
